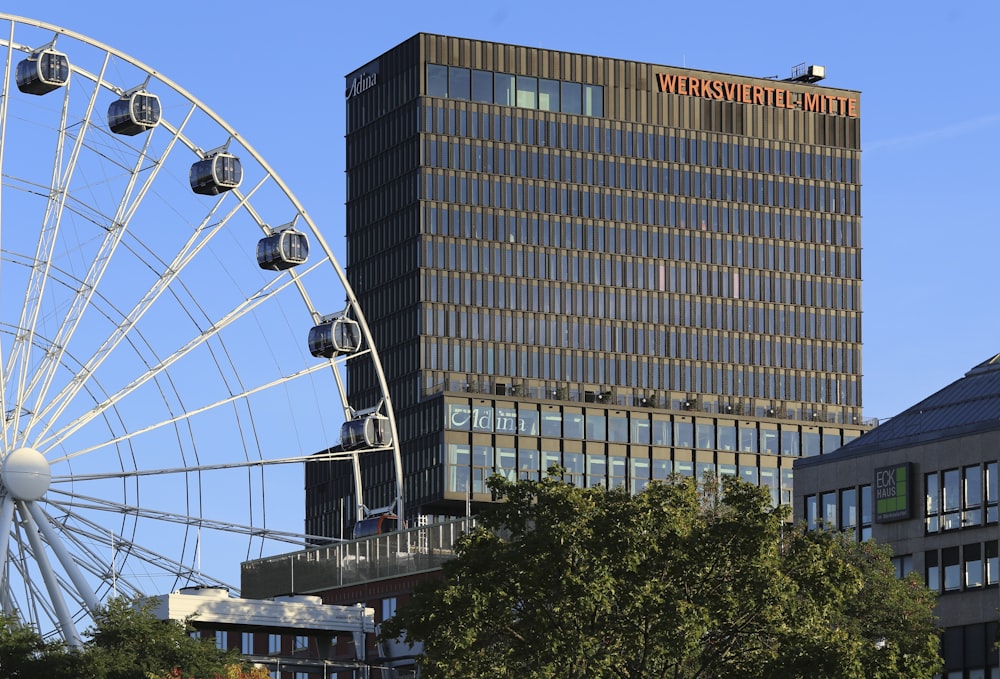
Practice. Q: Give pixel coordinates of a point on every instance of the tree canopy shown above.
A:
(126, 642)
(682, 580)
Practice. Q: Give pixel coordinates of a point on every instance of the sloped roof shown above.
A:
(968, 405)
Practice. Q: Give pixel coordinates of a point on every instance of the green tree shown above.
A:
(24, 654)
(129, 642)
(126, 642)
(681, 580)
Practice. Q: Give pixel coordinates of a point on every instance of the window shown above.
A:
(972, 489)
(482, 86)
(459, 82)
(903, 565)
(932, 502)
(933, 574)
(992, 564)
(503, 89)
(437, 80)
(973, 565)
(273, 644)
(683, 434)
(221, 640)
(960, 498)
(528, 464)
(812, 512)
(388, 607)
(572, 97)
(527, 91)
(866, 513)
(952, 569)
(246, 644)
(829, 510)
(950, 503)
(548, 94)
(849, 509)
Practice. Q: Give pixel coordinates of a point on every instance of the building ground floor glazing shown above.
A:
(453, 443)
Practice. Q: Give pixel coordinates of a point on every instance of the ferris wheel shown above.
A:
(175, 334)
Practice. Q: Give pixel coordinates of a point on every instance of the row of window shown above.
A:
(592, 334)
(644, 428)
(961, 498)
(507, 89)
(849, 510)
(965, 497)
(644, 142)
(965, 567)
(551, 172)
(544, 273)
(581, 200)
(823, 235)
(441, 356)
(469, 467)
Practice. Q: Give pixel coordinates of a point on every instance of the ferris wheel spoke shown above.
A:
(166, 564)
(34, 595)
(115, 228)
(188, 469)
(89, 560)
(241, 310)
(186, 415)
(6, 520)
(9, 54)
(49, 577)
(198, 240)
(58, 192)
(67, 562)
(99, 504)
(28, 603)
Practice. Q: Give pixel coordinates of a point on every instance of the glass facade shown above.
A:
(642, 280)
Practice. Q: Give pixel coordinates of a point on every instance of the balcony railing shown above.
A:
(351, 562)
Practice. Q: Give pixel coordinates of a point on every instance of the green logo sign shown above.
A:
(892, 492)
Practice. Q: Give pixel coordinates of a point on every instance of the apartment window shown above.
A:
(972, 562)
(388, 607)
(273, 644)
(221, 640)
(246, 643)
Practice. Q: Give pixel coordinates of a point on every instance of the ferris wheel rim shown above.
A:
(40, 527)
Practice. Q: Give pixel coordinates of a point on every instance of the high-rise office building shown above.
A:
(624, 269)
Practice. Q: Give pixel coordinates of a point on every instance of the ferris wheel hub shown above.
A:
(26, 474)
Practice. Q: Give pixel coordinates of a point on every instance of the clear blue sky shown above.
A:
(930, 115)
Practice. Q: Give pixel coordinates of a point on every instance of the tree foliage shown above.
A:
(126, 642)
(682, 580)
